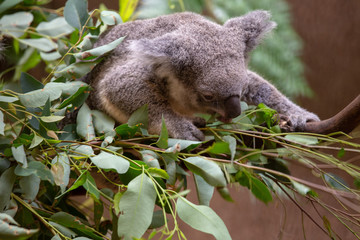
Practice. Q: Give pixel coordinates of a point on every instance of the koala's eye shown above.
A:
(208, 97)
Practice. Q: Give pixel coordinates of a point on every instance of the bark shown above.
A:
(344, 121)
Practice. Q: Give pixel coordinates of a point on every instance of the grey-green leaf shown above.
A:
(202, 218)
(75, 13)
(19, 155)
(232, 145)
(204, 190)
(5, 5)
(102, 122)
(2, 124)
(16, 23)
(55, 28)
(9, 230)
(106, 160)
(100, 50)
(63, 176)
(30, 186)
(302, 139)
(42, 44)
(137, 206)
(110, 17)
(85, 127)
(7, 180)
(207, 169)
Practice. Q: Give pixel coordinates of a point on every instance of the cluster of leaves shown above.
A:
(277, 58)
(42, 167)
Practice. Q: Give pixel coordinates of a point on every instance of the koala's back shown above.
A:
(152, 28)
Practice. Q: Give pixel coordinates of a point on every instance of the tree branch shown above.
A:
(345, 121)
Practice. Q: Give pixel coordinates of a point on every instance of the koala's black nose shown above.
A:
(232, 107)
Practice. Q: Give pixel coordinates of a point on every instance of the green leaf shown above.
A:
(137, 205)
(336, 182)
(207, 169)
(78, 183)
(183, 143)
(85, 127)
(204, 190)
(19, 155)
(64, 230)
(90, 186)
(7, 180)
(28, 83)
(99, 51)
(157, 219)
(77, 99)
(53, 118)
(15, 24)
(75, 13)
(224, 193)
(8, 99)
(70, 221)
(139, 117)
(7, 4)
(202, 218)
(51, 56)
(2, 124)
(232, 145)
(106, 160)
(150, 158)
(102, 122)
(260, 190)
(127, 8)
(30, 186)
(156, 172)
(42, 44)
(9, 230)
(77, 69)
(219, 148)
(110, 18)
(37, 168)
(162, 141)
(55, 28)
(117, 198)
(36, 141)
(302, 139)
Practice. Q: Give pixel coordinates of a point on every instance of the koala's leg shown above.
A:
(124, 89)
(261, 91)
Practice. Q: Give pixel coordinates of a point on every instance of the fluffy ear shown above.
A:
(252, 27)
(150, 53)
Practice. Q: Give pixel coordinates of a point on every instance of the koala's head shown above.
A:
(204, 64)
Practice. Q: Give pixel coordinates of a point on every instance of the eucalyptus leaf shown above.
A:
(232, 145)
(302, 139)
(8, 99)
(9, 230)
(61, 160)
(150, 158)
(2, 124)
(30, 186)
(202, 218)
(102, 122)
(19, 155)
(5, 5)
(207, 169)
(50, 119)
(100, 50)
(137, 206)
(52, 56)
(15, 24)
(183, 143)
(162, 141)
(106, 160)
(85, 127)
(75, 13)
(204, 190)
(55, 28)
(336, 182)
(28, 83)
(7, 180)
(42, 44)
(139, 117)
(110, 17)
(90, 186)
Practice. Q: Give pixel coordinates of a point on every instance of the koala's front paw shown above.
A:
(296, 122)
(185, 130)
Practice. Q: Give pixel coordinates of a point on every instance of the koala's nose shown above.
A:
(232, 107)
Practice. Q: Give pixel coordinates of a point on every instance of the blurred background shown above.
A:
(314, 58)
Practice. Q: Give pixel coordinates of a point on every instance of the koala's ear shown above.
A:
(252, 27)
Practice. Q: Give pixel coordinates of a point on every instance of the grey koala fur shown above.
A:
(182, 64)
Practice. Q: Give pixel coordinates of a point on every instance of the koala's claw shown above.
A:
(295, 122)
(285, 123)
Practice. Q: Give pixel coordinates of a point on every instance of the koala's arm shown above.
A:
(261, 91)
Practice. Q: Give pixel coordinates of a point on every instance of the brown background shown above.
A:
(330, 30)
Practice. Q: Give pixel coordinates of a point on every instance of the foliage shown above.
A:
(42, 167)
(277, 58)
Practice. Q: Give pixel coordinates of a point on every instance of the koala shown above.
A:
(182, 64)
